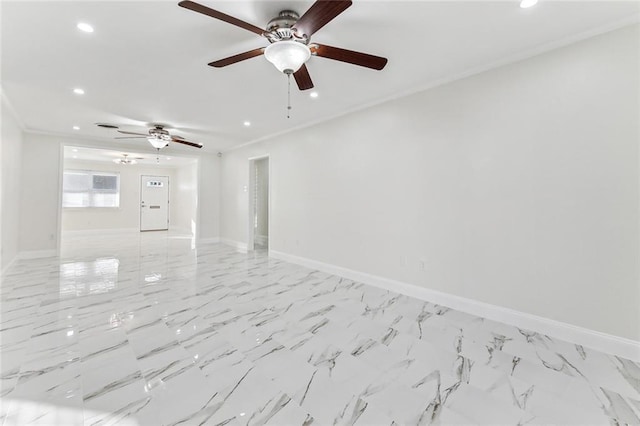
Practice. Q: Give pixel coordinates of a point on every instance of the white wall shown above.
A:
(127, 216)
(10, 159)
(209, 196)
(184, 205)
(517, 187)
(39, 193)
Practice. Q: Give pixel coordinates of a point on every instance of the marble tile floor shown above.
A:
(150, 329)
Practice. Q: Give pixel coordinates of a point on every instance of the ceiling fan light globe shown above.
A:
(287, 55)
(157, 143)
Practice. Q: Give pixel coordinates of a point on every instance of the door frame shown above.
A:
(250, 193)
(168, 202)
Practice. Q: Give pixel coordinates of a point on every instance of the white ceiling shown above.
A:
(143, 158)
(147, 60)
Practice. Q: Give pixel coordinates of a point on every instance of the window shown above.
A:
(85, 188)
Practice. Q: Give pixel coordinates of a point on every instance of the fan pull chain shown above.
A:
(289, 95)
(158, 155)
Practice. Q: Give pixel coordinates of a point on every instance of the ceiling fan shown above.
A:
(127, 160)
(158, 137)
(289, 36)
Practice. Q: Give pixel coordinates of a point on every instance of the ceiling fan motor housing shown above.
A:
(281, 28)
(159, 137)
(159, 133)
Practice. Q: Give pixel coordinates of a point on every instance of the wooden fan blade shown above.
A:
(132, 133)
(303, 78)
(221, 16)
(350, 56)
(237, 58)
(196, 145)
(319, 15)
(132, 137)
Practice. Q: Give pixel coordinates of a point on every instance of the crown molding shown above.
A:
(8, 105)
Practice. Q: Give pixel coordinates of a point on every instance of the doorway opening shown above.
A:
(259, 203)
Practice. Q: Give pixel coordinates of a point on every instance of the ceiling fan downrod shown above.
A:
(288, 93)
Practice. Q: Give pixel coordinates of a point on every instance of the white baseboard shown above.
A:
(89, 232)
(261, 240)
(603, 342)
(37, 254)
(180, 230)
(209, 240)
(100, 232)
(9, 265)
(241, 247)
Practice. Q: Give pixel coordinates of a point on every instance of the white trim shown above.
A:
(241, 247)
(251, 240)
(181, 230)
(520, 56)
(60, 196)
(80, 232)
(6, 103)
(37, 254)
(9, 265)
(261, 240)
(603, 342)
(251, 166)
(198, 197)
(209, 240)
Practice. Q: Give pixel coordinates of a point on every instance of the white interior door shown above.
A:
(154, 203)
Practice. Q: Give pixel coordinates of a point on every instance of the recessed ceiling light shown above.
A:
(247, 123)
(313, 94)
(528, 3)
(76, 128)
(75, 156)
(74, 150)
(78, 91)
(168, 158)
(83, 26)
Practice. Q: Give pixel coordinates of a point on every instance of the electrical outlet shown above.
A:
(404, 261)
(422, 265)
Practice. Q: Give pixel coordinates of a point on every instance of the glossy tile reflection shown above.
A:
(147, 329)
